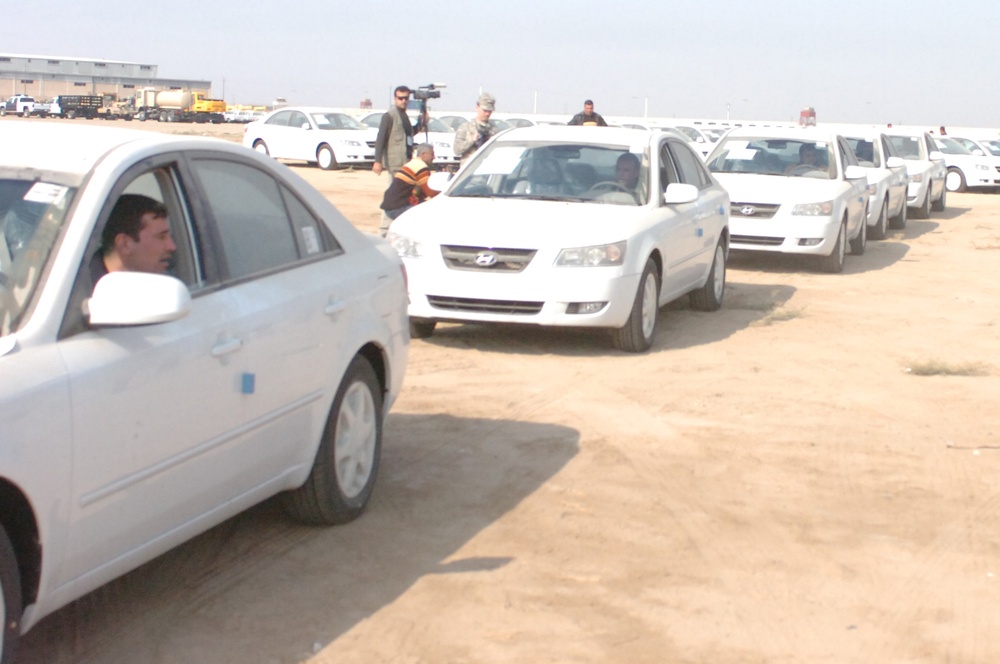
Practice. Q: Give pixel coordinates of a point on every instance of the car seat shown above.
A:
(540, 176)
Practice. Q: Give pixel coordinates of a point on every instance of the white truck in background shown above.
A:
(21, 105)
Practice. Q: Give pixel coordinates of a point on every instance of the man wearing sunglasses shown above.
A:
(394, 144)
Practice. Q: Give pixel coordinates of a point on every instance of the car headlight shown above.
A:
(404, 246)
(919, 177)
(351, 144)
(823, 209)
(601, 255)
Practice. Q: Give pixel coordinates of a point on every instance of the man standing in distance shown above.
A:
(471, 136)
(394, 143)
(588, 118)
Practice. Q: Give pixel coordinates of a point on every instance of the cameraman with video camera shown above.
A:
(394, 143)
(470, 136)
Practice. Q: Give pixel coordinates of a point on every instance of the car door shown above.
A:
(156, 409)
(296, 295)
(699, 221)
(856, 198)
(899, 178)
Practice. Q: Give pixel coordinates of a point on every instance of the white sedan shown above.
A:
(315, 135)
(966, 169)
(794, 190)
(927, 170)
(887, 180)
(140, 408)
(568, 226)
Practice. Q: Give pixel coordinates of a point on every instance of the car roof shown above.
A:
(74, 148)
(791, 133)
(573, 133)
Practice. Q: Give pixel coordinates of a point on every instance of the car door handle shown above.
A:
(226, 347)
(335, 307)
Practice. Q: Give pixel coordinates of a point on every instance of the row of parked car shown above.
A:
(262, 354)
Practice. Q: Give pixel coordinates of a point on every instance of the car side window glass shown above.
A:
(692, 171)
(846, 154)
(668, 172)
(297, 120)
(260, 225)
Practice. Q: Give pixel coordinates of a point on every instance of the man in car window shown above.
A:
(135, 239)
(808, 160)
(627, 171)
(470, 136)
(588, 118)
(408, 186)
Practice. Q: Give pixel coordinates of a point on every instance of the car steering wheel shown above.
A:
(609, 184)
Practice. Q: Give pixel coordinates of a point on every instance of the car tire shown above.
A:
(639, 330)
(878, 230)
(342, 478)
(954, 180)
(899, 221)
(421, 328)
(924, 211)
(325, 158)
(940, 204)
(834, 263)
(859, 242)
(10, 600)
(709, 297)
(261, 147)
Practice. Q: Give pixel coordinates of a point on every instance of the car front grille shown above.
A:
(753, 210)
(758, 240)
(471, 305)
(486, 258)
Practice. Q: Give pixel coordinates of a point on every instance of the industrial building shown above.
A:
(45, 76)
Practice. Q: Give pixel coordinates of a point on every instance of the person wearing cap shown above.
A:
(587, 117)
(470, 136)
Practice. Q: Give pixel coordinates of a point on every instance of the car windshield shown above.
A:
(775, 156)
(950, 146)
(336, 121)
(908, 147)
(436, 125)
(31, 216)
(556, 171)
(992, 146)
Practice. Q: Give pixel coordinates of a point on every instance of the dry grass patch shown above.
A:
(941, 368)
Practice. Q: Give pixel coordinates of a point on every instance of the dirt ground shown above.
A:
(775, 482)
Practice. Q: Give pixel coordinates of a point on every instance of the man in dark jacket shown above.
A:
(588, 117)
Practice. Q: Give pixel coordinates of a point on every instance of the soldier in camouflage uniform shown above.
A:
(471, 136)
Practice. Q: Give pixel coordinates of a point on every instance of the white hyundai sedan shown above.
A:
(887, 179)
(794, 190)
(568, 226)
(251, 346)
(319, 136)
(927, 170)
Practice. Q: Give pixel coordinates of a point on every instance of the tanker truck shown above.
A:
(177, 106)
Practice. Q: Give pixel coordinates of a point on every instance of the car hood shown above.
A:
(519, 223)
(753, 188)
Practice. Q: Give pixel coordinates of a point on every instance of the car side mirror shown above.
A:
(895, 162)
(678, 192)
(978, 153)
(137, 298)
(305, 125)
(854, 172)
(439, 180)
(936, 155)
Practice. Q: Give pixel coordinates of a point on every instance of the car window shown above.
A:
(888, 147)
(260, 225)
(773, 156)
(908, 147)
(281, 118)
(847, 157)
(865, 150)
(162, 184)
(689, 166)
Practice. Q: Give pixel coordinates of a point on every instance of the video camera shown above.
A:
(425, 92)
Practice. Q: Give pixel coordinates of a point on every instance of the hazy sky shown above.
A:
(900, 61)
